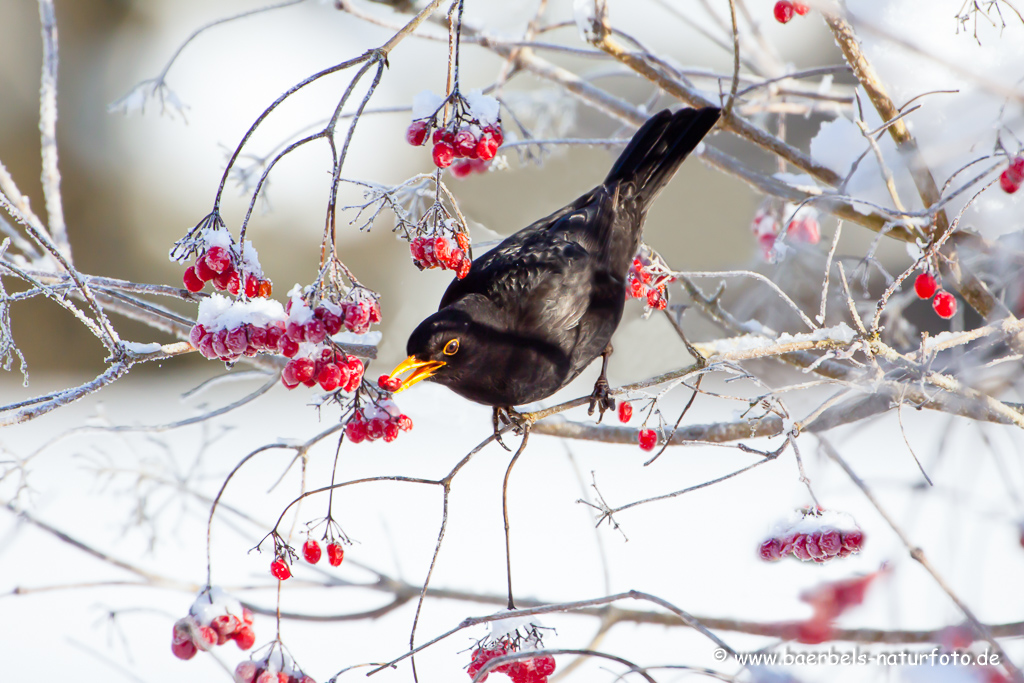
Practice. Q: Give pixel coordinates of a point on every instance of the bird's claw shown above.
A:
(601, 399)
(508, 416)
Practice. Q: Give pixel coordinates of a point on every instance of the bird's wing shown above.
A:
(541, 281)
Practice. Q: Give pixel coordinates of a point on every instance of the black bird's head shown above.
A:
(441, 347)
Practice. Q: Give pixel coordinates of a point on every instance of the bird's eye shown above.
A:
(451, 348)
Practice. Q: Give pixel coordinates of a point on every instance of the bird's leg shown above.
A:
(508, 416)
(601, 399)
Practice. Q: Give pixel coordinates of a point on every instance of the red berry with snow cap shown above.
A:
(279, 568)
(944, 304)
(417, 133)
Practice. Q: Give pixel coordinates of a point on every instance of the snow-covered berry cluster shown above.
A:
(803, 227)
(311, 552)
(219, 261)
(809, 534)
(442, 251)
(508, 636)
(1012, 178)
(648, 439)
(471, 132)
(276, 667)
(785, 9)
(532, 670)
(926, 287)
(228, 329)
(648, 279)
(213, 619)
(380, 419)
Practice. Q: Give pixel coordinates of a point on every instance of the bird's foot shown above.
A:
(601, 399)
(508, 416)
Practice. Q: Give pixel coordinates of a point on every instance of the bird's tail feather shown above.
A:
(659, 147)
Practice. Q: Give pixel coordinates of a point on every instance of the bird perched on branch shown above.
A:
(541, 306)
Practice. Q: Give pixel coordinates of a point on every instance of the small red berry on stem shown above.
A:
(800, 8)
(417, 133)
(193, 282)
(443, 154)
(279, 568)
(625, 411)
(648, 439)
(311, 551)
(925, 285)
(335, 553)
(783, 11)
(944, 304)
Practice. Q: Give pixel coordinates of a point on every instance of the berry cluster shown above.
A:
(648, 439)
(1012, 178)
(311, 552)
(625, 411)
(473, 132)
(533, 670)
(648, 279)
(442, 252)
(378, 420)
(213, 619)
(276, 667)
(944, 303)
(216, 265)
(332, 370)
(802, 227)
(785, 9)
(817, 535)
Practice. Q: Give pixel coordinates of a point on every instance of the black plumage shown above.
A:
(541, 306)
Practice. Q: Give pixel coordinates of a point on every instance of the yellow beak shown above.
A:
(422, 369)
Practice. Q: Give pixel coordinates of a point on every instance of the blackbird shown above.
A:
(543, 304)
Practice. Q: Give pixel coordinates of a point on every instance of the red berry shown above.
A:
(304, 368)
(196, 335)
(463, 268)
(266, 289)
(329, 377)
(443, 155)
(184, 650)
(625, 411)
(417, 133)
(771, 550)
(783, 11)
(316, 331)
(1009, 181)
(465, 143)
(496, 133)
(355, 431)
(218, 259)
(375, 429)
(648, 439)
(944, 304)
(404, 423)
(193, 282)
(311, 551)
(357, 317)
(390, 432)
(287, 346)
(545, 665)
(853, 540)
(800, 8)
(461, 169)
(335, 553)
(247, 616)
(252, 286)
(487, 147)
(203, 271)
(207, 637)
(279, 568)
(925, 286)
(831, 542)
(244, 638)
